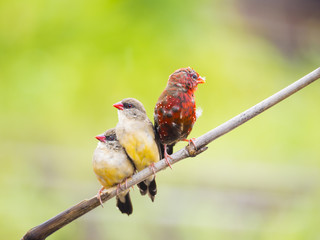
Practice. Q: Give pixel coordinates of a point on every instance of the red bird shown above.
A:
(175, 111)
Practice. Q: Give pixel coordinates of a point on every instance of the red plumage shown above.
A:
(175, 111)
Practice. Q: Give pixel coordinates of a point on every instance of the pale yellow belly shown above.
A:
(141, 150)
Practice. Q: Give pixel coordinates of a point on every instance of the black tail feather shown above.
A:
(124, 204)
(152, 189)
(161, 148)
(170, 149)
(143, 187)
(149, 187)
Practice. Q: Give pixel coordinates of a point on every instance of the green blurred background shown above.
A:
(64, 63)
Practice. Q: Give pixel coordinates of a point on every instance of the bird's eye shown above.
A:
(128, 105)
(111, 138)
(194, 76)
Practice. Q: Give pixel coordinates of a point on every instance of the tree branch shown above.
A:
(47, 228)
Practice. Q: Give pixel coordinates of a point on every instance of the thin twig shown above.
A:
(47, 228)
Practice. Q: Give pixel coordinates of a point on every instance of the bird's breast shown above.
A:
(111, 167)
(138, 139)
(175, 116)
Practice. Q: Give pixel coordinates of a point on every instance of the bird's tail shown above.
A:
(143, 188)
(160, 145)
(170, 149)
(148, 186)
(152, 189)
(124, 203)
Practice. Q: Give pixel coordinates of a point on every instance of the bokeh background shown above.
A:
(64, 63)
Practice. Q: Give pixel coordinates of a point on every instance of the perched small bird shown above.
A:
(175, 111)
(136, 134)
(112, 166)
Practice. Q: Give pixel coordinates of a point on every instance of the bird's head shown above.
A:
(109, 139)
(131, 108)
(186, 79)
(108, 136)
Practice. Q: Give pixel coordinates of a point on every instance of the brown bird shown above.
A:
(175, 111)
(112, 166)
(136, 134)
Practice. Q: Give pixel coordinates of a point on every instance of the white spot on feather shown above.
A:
(199, 112)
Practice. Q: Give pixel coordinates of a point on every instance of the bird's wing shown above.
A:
(157, 140)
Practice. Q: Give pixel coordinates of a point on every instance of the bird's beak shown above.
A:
(118, 105)
(201, 80)
(101, 138)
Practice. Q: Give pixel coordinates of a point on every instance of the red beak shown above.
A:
(118, 105)
(101, 138)
(201, 80)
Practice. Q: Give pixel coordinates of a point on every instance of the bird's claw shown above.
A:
(191, 141)
(166, 156)
(152, 168)
(119, 188)
(126, 183)
(99, 196)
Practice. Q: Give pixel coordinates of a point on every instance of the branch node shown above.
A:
(192, 151)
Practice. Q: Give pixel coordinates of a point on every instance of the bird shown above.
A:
(136, 134)
(112, 166)
(175, 110)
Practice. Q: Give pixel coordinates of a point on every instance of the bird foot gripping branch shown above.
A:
(99, 196)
